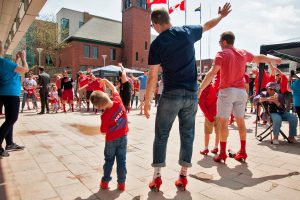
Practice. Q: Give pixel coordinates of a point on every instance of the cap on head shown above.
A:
(272, 85)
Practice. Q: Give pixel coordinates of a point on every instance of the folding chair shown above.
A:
(269, 129)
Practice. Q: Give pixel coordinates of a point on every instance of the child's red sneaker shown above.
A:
(121, 186)
(103, 185)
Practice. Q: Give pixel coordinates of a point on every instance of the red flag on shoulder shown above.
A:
(150, 2)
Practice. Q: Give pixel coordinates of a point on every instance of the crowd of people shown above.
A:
(222, 96)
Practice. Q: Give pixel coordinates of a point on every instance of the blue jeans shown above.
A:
(181, 103)
(277, 118)
(31, 96)
(115, 149)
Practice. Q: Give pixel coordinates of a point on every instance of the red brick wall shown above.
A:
(136, 31)
(73, 56)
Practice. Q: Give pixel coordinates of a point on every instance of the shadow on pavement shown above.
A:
(284, 146)
(103, 194)
(235, 178)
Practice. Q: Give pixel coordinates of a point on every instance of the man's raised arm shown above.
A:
(221, 14)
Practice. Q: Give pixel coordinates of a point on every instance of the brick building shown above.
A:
(97, 41)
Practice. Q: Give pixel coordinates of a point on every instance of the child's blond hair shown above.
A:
(99, 98)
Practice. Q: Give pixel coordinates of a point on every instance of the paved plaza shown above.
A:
(64, 156)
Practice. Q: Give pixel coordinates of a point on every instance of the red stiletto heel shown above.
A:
(241, 156)
(214, 151)
(220, 157)
(155, 184)
(181, 182)
(204, 152)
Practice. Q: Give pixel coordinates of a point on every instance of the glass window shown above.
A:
(95, 52)
(146, 45)
(81, 24)
(127, 4)
(141, 4)
(136, 56)
(112, 54)
(86, 51)
(64, 28)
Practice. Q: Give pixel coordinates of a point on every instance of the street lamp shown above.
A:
(104, 57)
(40, 51)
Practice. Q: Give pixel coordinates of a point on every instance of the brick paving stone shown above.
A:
(48, 167)
(40, 190)
(75, 191)
(62, 178)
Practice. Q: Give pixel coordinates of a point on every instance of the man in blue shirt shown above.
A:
(10, 88)
(173, 50)
(143, 83)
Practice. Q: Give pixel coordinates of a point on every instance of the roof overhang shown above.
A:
(15, 18)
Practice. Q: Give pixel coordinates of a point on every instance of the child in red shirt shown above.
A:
(114, 125)
(208, 105)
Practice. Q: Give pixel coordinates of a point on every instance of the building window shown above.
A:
(146, 45)
(83, 68)
(81, 24)
(86, 51)
(64, 28)
(95, 52)
(142, 4)
(127, 4)
(112, 54)
(136, 56)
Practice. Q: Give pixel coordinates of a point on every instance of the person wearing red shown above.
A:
(82, 81)
(96, 85)
(135, 95)
(58, 85)
(67, 91)
(282, 80)
(232, 94)
(114, 124)
(89, 90)
(208, 105)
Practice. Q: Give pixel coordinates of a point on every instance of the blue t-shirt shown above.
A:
(296, 92)
(10, 83)
(174, 50)
(143, 82)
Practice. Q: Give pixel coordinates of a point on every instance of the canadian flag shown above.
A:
(179, 6)
(150, 2)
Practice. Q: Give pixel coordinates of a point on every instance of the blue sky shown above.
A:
(254, 22)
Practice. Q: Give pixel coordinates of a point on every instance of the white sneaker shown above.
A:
(275, 141)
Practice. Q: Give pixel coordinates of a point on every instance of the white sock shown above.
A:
(216, 147)
(183, 171)
(205, 148)
(156, 172)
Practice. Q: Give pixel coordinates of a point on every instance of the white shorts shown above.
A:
(142, 94)
(231, 100)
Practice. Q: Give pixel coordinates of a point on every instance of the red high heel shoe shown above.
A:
(121, 186)
(214, 151)
(220, 157)
(181, 182)
(104, 185)
(204, 152)
(155, 184)
(241, 156)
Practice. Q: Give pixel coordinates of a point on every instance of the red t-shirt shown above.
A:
(58, 83)
(232, 62)
(82, 81)
(246, 78)
(264, 82)
(114, 120)
(208, 102)
(96, 85)
(136, 86)
(283, 82)
(90, 86)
